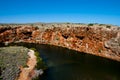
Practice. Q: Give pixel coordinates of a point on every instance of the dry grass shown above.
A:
(11, 58)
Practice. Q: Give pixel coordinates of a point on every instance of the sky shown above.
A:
(75, 11)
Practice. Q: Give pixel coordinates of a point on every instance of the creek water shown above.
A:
(65, 64)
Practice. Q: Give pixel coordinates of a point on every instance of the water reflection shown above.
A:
(66, 64)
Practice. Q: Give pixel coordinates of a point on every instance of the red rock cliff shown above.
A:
(100, 41)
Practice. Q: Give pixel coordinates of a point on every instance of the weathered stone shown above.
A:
(96, 40)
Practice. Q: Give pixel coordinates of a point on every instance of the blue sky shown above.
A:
(78, 11)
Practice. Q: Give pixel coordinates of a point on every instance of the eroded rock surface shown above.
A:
(97, 40)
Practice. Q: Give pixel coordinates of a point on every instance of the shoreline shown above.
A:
(27, 73)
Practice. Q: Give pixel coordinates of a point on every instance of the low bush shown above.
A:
(90, 24)
(40, 64)
(108, 26)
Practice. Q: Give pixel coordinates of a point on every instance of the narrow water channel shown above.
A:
(65, 64)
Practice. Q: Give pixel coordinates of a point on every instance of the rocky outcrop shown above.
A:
(97, 40)
(114, 44)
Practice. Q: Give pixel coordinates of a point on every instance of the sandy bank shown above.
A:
(28, 72)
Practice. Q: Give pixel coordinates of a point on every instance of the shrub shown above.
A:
(40, 64)
(108, 26)
(99, 50)
(90, 24)
(32, 25)
(101, 24)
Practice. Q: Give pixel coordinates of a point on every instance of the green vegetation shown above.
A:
(40, 64)
(57, 38)
(101, 24)
(108, 26)
(90, 24)
(32, 25)
(11, 58)
(99, 50)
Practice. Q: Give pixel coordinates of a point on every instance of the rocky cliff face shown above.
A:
(97, 40)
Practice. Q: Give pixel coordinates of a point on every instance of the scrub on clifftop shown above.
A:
(11, 58)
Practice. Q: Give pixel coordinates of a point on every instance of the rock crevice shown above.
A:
(100, 41)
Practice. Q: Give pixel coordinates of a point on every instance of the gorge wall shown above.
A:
(96, 40)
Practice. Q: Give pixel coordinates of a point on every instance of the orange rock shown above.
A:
(85, 39)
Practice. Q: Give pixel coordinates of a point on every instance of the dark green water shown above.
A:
(64, 64)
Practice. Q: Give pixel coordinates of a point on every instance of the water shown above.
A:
(64, 64)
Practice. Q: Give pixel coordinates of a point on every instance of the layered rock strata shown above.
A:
(95, 40)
